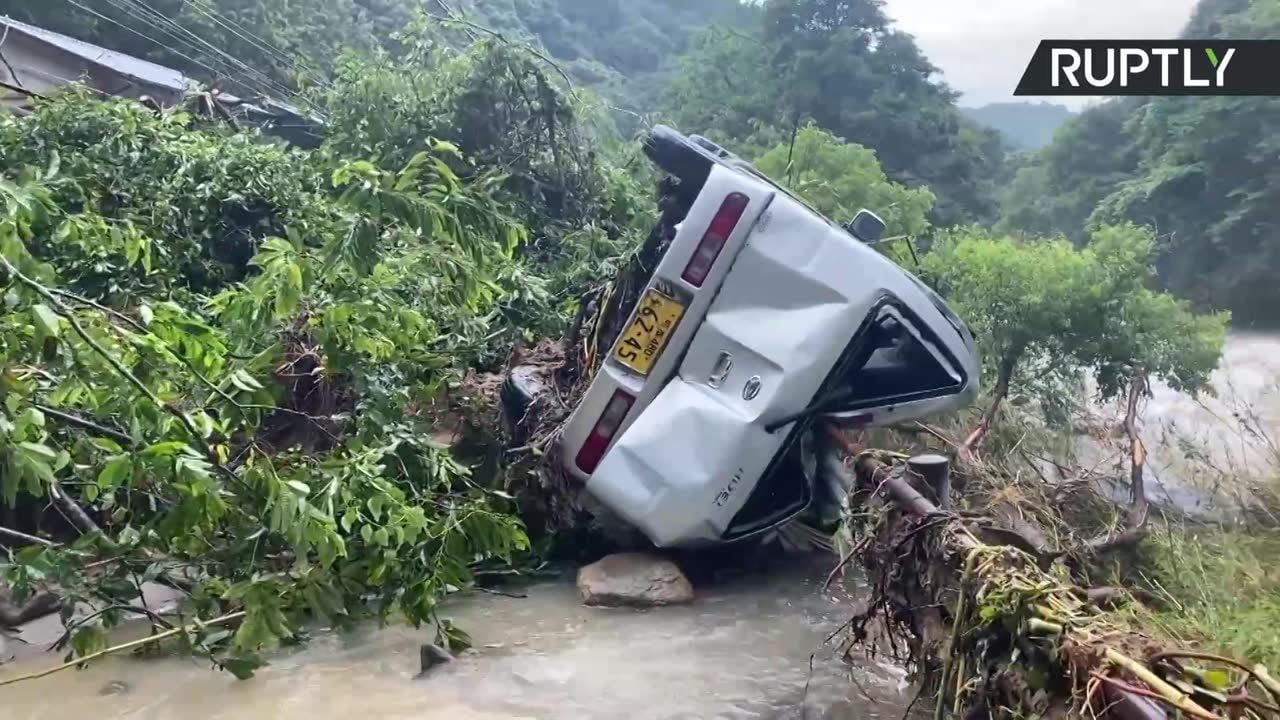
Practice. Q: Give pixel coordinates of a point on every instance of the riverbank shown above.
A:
(1220, 589)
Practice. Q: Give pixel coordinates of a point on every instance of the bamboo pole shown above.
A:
(133, 644)
(1171, 694)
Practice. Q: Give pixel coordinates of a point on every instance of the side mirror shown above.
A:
(867, 227)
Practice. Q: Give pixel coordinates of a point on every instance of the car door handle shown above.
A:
(720, 370)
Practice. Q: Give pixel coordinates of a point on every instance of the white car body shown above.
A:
(783, 305)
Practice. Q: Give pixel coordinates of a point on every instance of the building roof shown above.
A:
(147, 72)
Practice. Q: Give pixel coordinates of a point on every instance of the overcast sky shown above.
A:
(983, 46)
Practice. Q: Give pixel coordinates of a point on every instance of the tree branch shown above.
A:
(85, 424)
(75, 513)
(66, 313)
(121, 648)
(40, 604)
(968, 449)
(23, 537)
(503, 39)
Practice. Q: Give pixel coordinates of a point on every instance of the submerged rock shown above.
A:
(116, 687)
(431, 655)
(633, 580)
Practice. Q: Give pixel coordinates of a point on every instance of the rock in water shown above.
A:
(431, 655)
(633, 580)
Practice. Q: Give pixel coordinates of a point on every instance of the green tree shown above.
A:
(841, 65)
(839, 179)
(1045, 309)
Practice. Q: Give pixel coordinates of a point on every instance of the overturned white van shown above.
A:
(762, 319)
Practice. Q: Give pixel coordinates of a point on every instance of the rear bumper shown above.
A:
(612, 375)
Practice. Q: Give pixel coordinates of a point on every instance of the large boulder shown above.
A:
(633, 580)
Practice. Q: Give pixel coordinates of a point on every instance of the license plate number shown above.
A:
(646, 338)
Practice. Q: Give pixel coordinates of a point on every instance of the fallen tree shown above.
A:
(997, 625)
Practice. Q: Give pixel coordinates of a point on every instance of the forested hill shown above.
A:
(627, 48)
(1203, 172)
(749, 74)
(1025, 125)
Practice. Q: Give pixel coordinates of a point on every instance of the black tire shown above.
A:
(679, 156)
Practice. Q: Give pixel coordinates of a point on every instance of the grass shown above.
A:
(1222, 588)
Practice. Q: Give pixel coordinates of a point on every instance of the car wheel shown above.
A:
(680, 157)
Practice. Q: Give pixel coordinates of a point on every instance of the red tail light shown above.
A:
(722, 225)
(602, 434)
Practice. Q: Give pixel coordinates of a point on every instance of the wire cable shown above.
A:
(144, 36)
(258, 77)
(183, 35)
(298, 63)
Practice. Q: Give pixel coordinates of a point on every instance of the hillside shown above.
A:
(1201, 171)
(1024, 125)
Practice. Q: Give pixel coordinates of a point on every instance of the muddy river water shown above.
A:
(1207, 452)
(742, 650)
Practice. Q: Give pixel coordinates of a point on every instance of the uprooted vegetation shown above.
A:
(998, 621)
(225, 361)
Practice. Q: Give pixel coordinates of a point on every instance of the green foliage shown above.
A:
(625, 42)
(1221, 588)
(1059, 189)
(1044, 309)
(269, 441)
(840, 178)
(186, 199)
(1200, 171)
(542, 158)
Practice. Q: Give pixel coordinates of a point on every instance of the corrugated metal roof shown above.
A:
(136, 68)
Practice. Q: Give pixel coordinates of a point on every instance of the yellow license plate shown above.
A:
(646, 338)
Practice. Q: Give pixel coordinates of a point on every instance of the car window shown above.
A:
(896, 362)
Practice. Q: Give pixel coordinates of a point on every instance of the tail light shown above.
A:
(602, 434)
(722, 225)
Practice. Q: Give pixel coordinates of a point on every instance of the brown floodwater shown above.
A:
(1208, 454)
(741, 651)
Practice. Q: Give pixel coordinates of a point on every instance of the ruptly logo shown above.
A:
(1153, 67)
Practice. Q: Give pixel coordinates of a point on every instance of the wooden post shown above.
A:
(936, 471)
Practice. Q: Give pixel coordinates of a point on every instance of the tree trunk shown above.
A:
(1139, 507)
(968, 449)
